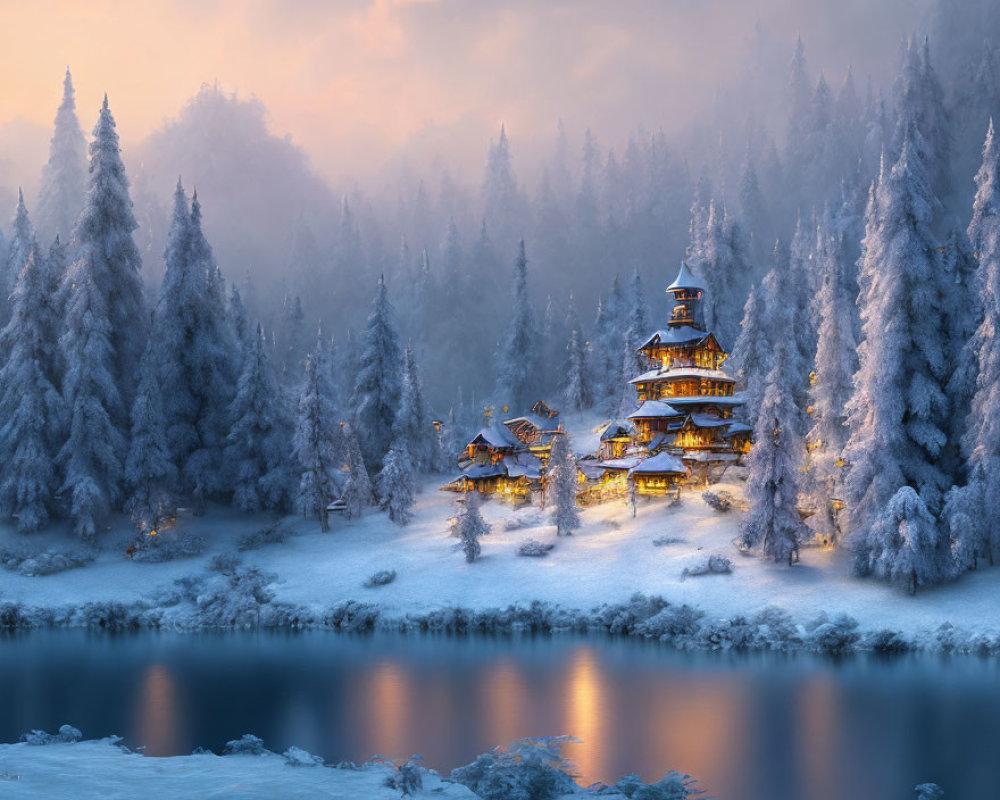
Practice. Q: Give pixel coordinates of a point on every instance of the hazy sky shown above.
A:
(353, 81)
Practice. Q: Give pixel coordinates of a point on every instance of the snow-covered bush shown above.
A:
(297, 757)
(406, 777)
(721, 501)
(380, 578)
(47, 562)
(672, 786)
(623, 618)
(274, 533)
(534, 548)
(529, 769)
(237, 602)
(166, 546)
(67, 734)
(246, 745)
(885, 641)
(832, 637)
(112, 616)
(225, 563)
(672, 623)
(713, 565)
(352, 617)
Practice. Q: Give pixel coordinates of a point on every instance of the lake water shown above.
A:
(758, 727)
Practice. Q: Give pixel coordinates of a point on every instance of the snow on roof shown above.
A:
(707, 400)
(654, 408)
(617, 430)
(706, 455)
(590, 467)
(523, 465)
(685, 280)
(683, 372)
(537, 421)
(661, 463)
(496, 436)
(625, 462)
(682, 334)
(738, 427)
(708, 421)
(483, 470)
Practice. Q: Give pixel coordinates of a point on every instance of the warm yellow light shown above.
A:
(152, 533)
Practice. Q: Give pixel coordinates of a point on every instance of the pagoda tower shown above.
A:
(686, 400)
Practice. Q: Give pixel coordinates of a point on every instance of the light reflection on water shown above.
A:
(759, 727)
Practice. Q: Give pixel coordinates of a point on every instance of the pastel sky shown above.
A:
(353, 81)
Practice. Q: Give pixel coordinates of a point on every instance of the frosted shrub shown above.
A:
(275, 533)
(246, 745)
(721, 501)
(534, 548)
(67, 734)
(225, 563)
(166, 546)
(380, 578)
(672, 786)
(529, 769)
(297, 757)
(407, 777)
(715, 564)
(48, 562)
(673, 622)
(833, 637)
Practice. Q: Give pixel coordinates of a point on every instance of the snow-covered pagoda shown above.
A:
(686, 400)
(684, 424)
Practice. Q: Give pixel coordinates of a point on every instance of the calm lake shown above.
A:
(757, 727)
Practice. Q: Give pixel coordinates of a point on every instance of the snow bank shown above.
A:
(60, 766)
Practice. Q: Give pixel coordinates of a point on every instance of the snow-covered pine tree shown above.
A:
(636, 320)
(752, 355)
(799, 285)
(725, 270)
(772, 489)
(471, 526)
(632, 366)
(834, 368)
(64, 177)
(395, 484)
(898, 412)
(149, 472)
(22, 241)
(906, 547)
(413, 425)
(577, 394)
(103, 240)
(517, 356)
(239, 323)
(30, 404)
(93, 454)
(979, 536)
(292, 340)
(377, 389)
(314, 445)
(256, 452)
(563, 479)
(358, 492)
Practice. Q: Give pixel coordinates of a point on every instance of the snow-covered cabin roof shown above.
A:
(495, 436)
(660, 464)
(709, 456)
(474, 470)
(624, 463)
(522, 465)
(537, 421)
(685, 280)
(708, 421)
(650, 409)
(738, 427)
(590, 467)
(617, 430)
(706, 400)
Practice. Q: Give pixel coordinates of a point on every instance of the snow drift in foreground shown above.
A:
(60, 765)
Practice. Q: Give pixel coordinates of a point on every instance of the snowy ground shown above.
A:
(610, 558)
(99, 769)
